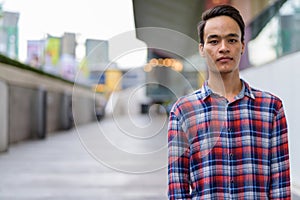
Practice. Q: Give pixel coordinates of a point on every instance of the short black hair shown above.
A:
(220, 10)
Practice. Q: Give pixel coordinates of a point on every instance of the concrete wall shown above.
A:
(34, 105)
(54, 106)
(20, 113)
(83, 110)
(3, 116)
(282, 78)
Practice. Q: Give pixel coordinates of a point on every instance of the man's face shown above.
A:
(222, 46)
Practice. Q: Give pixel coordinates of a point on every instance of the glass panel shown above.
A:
(279, 37)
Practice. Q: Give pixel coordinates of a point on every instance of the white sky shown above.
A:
(94, 19)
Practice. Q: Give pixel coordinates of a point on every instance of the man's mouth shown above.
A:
(224, 59)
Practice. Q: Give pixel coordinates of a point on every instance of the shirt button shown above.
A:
(229, 129)
(231, 155)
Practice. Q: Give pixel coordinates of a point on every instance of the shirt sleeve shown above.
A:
(178, 160)
(280, 168)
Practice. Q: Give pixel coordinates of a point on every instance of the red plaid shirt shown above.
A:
(221, 150)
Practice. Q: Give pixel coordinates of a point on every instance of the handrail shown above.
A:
(261, 20)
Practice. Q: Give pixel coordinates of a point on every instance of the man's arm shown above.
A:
(178, 161)
(280, 169)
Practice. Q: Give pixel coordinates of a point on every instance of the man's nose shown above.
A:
(223, 47)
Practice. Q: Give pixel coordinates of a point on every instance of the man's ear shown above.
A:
(201, 51)
(243, 48)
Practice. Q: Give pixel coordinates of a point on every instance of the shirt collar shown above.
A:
(205, 90)
(246, 90)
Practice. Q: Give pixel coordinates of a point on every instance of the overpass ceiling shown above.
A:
(174, 25)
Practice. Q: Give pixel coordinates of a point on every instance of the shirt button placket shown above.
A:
(230, 157)
(230, 153)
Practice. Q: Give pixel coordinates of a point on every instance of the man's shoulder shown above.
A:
(258, 93)
(188, 102)
(190, 98)
(265, 97)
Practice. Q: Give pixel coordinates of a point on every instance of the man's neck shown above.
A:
(226, 85)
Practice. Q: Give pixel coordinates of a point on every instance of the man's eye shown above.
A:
(232, 40)
(213, 42)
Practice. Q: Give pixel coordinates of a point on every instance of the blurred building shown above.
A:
(97, 54)
(68, 45)
(181, 18)
(104, 75)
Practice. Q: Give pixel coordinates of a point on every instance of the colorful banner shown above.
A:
(83, 67)
(12, 42)
(35, 53)
(52, 51)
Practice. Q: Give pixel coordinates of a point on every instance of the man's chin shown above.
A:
(222, 71)
(228, 71)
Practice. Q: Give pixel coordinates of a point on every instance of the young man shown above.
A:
(227, 140)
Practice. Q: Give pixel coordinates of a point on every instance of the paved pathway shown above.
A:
(67, 166)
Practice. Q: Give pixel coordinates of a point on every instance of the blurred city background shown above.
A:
(86, 87)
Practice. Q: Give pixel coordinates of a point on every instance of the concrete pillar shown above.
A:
(39, 114)
(66, 115)
(3, 117)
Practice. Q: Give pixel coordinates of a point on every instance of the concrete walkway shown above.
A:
(90, 163)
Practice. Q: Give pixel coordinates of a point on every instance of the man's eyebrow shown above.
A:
(232, 35)
(218, 36)
(212, 36)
